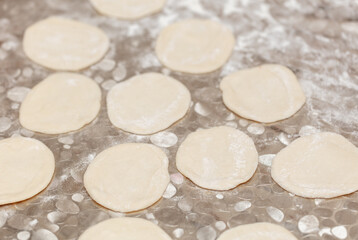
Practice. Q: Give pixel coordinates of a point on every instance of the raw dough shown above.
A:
(322, 165)
(128, 177)
(62, 102)
(27, 167)
(147, 103)
(218, 158)
(64, 44)
(125, 228)
(267, 93)
(257, 231)
(128, 9)
(195, 46)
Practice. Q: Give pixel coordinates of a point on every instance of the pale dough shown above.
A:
(147, 103)
(64, 44)
(218, 158)
(27, 167)
(62, 102)
(322, 165)
(257, 231)
(267, 93)
(195, 46)
(126, 228)
(128, 9)
(128, 177)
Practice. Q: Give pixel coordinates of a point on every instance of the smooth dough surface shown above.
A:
(64, 44)
(267, 93)
(322, 165)
(128, 177)
(126, 228)
(128, 9)
(195, 46)
(27, 167)
(218, 158)
(257, 231)
(147, 103)
(62, 102)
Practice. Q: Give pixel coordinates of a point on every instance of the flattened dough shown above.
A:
(257, 231)
(195, 46)
(267, 93)
(128, 9)
(322, 165)
(64, 44)
(218, 158)
(27, 167)
(128, 177)
(147, 103)
(125, 228)
(62, 102)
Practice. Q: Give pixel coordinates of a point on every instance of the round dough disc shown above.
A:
(257, 231)
(322, 165)
(124, 228)
(195, 46)
(64, 44)
(62, 102)
(27, 167)
(147, 103)
(128, 177)
(218, 158)
(128, 9)
(267, 93)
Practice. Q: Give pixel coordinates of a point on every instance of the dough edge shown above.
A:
(232, 234)
(243, 113)
(203, 183)
(112, 206)
(300, 191)
(141, 131)
(45, 130)
(168, 28)
(90, 232)
(45, 63)
(41, 187)
(102, 11)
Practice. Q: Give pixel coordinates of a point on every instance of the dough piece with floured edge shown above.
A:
(322, 165)
(218, 158)
(27, 166)
(62, 102)
(124, 228)
(257, 231)
(147, 103)
(64, 44)
(128, 177)
(128, 9)
(267, 93)
(195, 46)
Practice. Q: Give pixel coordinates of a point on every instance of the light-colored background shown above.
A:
(318, 40)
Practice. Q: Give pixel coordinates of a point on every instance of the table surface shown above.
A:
(316, 39)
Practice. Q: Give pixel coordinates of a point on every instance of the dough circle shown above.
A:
(128, 9)
(195, 46)
(62, 102)
(27, 167)
(147, 103)
(124, 228)
(128, 177)
(322, 165)
(257, 231)
(267, 93)
(218, 158)
(64, 44)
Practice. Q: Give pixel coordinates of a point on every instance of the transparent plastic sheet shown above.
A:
(316, 39)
